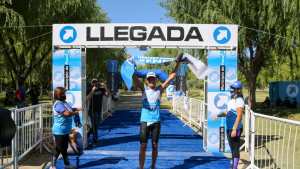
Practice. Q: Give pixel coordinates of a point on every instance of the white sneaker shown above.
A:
(70, 167)
(52, 167)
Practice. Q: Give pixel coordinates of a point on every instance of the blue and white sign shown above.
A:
(142, 60)
(217, 58)
(217, 100)
(72, 58)
(145, 34)
(68, 34)
(222, 35)
(284, 90)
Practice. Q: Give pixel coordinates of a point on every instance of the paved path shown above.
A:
(179, 146)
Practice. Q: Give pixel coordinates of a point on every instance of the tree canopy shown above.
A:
(26, 36)
(268, 29)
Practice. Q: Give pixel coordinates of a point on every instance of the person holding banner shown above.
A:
(234, 115)
(150, 116)
(62, 125)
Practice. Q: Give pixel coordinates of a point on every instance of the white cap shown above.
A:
(150, 74)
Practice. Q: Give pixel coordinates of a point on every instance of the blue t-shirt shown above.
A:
(151, 105)
(231, 115)
(61, 124)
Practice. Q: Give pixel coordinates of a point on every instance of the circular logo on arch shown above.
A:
(214, 76)
(68, 34)
(221, 100)
(222, 35)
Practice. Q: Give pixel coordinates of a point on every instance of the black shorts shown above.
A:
(145, 131)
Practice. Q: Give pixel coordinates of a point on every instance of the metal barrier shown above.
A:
(270, 141)
(191, 111)
(34, 128)
(273, 141)
(31, 123)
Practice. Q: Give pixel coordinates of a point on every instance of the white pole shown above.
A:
(41, 127)
(14, 144)
(83, 97)
(247, 120)
(252, 144)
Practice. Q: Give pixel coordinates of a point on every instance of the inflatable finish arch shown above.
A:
(70, 41)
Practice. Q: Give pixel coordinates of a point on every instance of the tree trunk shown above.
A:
(251, 91)
(20, 81)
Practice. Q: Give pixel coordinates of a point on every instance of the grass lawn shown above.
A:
(284, 112)
(290, 113)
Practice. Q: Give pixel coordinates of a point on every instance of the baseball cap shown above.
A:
(150, 74)
(236, 85)
(94, 80)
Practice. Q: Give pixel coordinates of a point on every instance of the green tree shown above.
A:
(278, 19)
(25, 48)
(8, 16)
(96, 61)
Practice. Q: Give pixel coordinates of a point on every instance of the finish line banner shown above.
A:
(154, 35)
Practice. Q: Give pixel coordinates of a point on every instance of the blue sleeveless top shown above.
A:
(151, 105)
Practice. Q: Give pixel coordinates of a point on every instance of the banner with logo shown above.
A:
(285, 92)
(223, 72)
(66, 72)
(142, 60)
(143, 34)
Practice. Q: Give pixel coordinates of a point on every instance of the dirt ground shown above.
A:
(35, 160)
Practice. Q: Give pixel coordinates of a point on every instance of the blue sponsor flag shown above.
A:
(127, 71)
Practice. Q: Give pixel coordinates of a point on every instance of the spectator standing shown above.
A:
(62, 125)
(94, 99)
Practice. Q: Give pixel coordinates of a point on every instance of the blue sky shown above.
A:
(135, 11)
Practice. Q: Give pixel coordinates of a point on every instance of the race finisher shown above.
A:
(150, 113)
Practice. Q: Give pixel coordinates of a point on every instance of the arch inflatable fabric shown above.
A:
(199, 69)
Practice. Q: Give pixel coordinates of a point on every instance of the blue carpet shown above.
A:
(179, 146)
